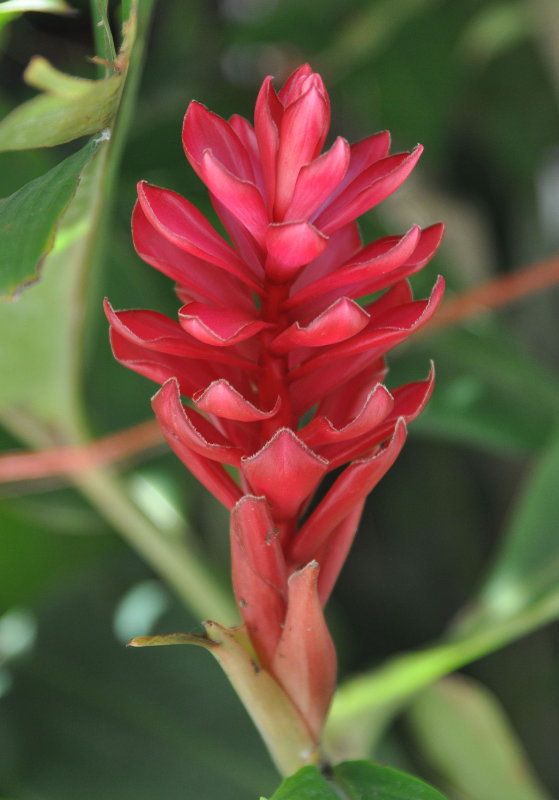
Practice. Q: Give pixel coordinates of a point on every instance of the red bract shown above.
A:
(283, 366)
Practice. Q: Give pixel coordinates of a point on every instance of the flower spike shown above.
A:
(275, 365)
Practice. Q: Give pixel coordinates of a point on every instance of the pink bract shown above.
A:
(282, 359)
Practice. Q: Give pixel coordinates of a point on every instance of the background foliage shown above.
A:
(461, 535)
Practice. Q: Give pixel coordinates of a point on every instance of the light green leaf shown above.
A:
(489, 391)
(370, 30)
(459, 723)
(40, 368)
(368, 702)
(361, 780)
(528, 564)
(68, 108)
(307, 784)
(29, 219)
(354, 780)
(493, 30)
(10, 9)
(44, 326)
(49, 6)
(520, 595)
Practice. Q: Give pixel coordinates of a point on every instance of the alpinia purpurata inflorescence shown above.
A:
(282, 365)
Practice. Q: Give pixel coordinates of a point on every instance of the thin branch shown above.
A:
(27, 465)
(496, 293)
(59, 461)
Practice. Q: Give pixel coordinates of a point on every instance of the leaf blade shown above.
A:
(354, 780)
(528, 564)
(458, 722)
(68, 108)
(29, 219)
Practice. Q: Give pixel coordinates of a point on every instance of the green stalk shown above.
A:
(85, 226)
(181, 568)
(368, 702)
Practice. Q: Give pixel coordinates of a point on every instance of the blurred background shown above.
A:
(477, 83)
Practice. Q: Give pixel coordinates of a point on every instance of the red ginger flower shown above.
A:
(271, 332)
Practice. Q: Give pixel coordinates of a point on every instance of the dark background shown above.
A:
(477, 83)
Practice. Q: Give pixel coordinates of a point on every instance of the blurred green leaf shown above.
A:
(89, 718)
(355, 780)
(68, 108)
(44, 327)
(494, 29)
(369, 30)
(363, 779)
(40, 367)
(462, 730)
(10, 9)
(489, 391)
(19, 6)
(528, 564)
(369, 701)
(29, 219)
(308, 783)
(36, 556)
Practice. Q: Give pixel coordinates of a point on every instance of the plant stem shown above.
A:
(177, 564)
(371, 700)
(494, 294)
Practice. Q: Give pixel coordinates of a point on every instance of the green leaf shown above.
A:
(528, 564)
(308, 783)
(369, 701)
(88, 718)
(493, 30)
(48, 6)
(355, 780)
(361, 780)
(44, 327)
(35, 553)
(44, 324)
(68, 108)
(459, 723)
(489, 390)
(10, 9)
(29, 219)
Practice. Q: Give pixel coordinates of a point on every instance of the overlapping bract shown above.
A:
(282, 365)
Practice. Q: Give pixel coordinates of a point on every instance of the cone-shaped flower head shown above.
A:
(280, 363)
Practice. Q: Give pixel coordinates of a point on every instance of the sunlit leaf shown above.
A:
(307, 784)
(354, 780)
(44, 327)
(375, 697)
(29, 219)
(528, 564)
(489, 390)
(10, 9)
(50, 6)
(493, 30)
(68, 108)
(458, 723)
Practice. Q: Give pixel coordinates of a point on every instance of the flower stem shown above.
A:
(177, 564)
(368, 702)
